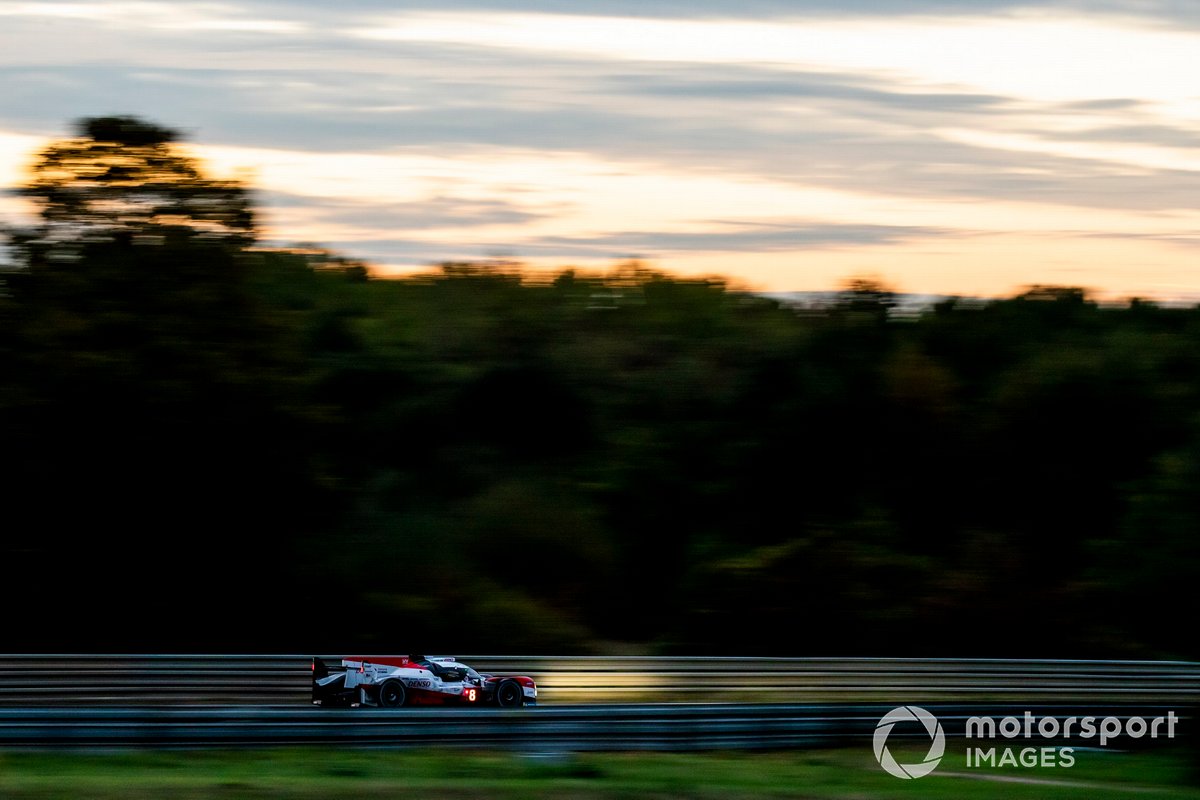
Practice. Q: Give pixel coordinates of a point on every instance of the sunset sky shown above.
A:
(969, 147)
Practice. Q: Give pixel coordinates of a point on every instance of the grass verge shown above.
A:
(329, 773)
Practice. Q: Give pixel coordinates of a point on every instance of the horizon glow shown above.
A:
(971, 154)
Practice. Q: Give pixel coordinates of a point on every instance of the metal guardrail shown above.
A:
(542, 729)
(255, 680)
(584, 678)
(562, 729)
(111, 680)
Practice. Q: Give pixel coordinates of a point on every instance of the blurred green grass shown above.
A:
(316, 774)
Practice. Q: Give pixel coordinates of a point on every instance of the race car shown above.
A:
(394, 681)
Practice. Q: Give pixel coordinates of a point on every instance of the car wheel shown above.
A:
(509, 694)
(392, 694)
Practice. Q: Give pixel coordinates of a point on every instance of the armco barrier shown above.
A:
(111, 680)
(776, 680)
(541, 730)
(258, 680)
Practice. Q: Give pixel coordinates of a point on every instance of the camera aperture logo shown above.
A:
(937, 746)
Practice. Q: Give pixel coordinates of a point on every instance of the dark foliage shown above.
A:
(208, 447)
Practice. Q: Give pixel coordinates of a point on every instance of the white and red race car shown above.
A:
(394, 681)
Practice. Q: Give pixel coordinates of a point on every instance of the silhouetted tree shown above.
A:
(153, 396)
(123, 177)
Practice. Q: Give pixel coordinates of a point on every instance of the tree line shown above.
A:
(214, 446)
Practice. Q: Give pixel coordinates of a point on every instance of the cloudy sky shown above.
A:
(969, 147)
